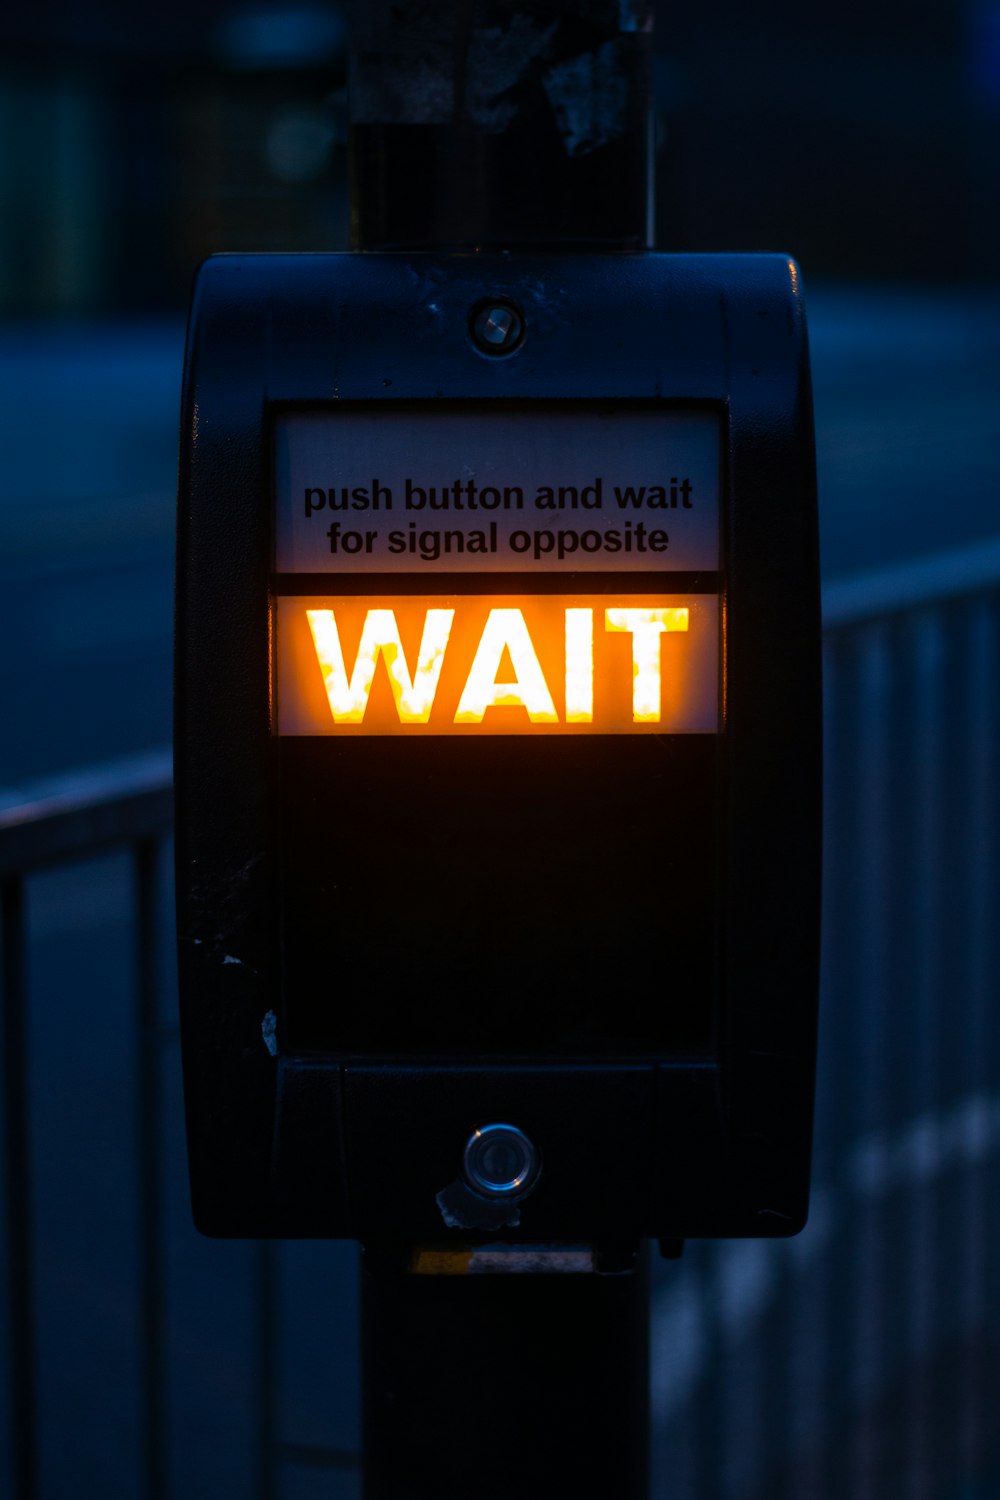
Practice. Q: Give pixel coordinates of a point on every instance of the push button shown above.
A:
(500, 1162)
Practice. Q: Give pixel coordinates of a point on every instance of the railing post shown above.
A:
(149, 1196)
(20, 1262)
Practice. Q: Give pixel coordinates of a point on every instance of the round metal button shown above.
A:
(500, 1162)
(497, 327)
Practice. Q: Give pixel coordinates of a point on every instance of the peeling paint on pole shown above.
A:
(498, 60)
(402, 65)
(589, 95)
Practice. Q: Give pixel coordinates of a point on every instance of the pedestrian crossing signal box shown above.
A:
(497, 750)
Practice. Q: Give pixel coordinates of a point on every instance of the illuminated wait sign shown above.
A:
(420, 564)
(497, 664)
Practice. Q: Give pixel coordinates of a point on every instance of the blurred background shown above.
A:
(861, 1360)
(134, 144)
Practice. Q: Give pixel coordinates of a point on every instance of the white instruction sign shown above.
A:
(497, 490)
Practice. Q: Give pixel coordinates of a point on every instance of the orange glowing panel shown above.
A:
(645, 626)
(579, 666)
(348, 695)
(497, 664)
(505, 636)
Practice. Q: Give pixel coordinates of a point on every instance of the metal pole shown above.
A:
(500, 1385)
(476, 125)
(479, 125)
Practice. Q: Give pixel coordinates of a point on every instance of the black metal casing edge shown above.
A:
(302, 1146)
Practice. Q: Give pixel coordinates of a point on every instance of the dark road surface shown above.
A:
(907, 390)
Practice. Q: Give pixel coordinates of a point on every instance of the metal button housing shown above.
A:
(500, 1161)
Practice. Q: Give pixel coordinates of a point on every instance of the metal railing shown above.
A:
(860, 1360)
(128, 805)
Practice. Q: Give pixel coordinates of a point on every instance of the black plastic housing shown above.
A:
(708, 1138)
